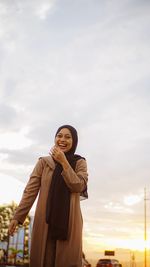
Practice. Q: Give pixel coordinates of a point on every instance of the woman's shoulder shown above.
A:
(81, 162)
(44, 158)
(47, 160)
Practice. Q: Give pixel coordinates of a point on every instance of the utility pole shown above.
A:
(145, 229)
(132, 260)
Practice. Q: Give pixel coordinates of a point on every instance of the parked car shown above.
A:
(108, 263)
(86, 265)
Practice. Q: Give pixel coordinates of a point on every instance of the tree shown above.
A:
(6, 213)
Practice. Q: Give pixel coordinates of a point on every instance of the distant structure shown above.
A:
(15, 248)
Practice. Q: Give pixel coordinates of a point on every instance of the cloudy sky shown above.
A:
(85, 63)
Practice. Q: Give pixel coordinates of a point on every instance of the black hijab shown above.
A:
(58, 201)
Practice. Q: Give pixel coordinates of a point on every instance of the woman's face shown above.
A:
(64, 140)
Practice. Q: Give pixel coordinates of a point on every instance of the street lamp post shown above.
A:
(145, 228)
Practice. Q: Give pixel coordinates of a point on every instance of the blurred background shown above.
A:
(84, 63)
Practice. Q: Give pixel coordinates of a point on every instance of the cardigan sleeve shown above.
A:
(30, 192)
(76, 180)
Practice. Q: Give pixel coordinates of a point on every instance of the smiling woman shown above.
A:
(61, 178)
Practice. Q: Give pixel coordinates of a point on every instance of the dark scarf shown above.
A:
(58, 201)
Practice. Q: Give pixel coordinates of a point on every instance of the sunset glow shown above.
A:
(113, 243)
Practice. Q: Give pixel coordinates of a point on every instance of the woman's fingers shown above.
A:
(12, 227)
(57, 154)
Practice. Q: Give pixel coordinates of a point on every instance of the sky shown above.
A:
(84, 63)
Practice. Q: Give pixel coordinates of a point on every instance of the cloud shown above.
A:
(132, 199)
(8, 116)
(19, 7)
(14, 189)
(44, 8)
(16, 140)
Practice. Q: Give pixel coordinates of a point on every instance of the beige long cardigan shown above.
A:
(68, 253)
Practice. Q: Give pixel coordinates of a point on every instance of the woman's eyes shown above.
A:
(66, 136)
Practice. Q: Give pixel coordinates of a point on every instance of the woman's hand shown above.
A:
(12, 227)
(58, 154)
